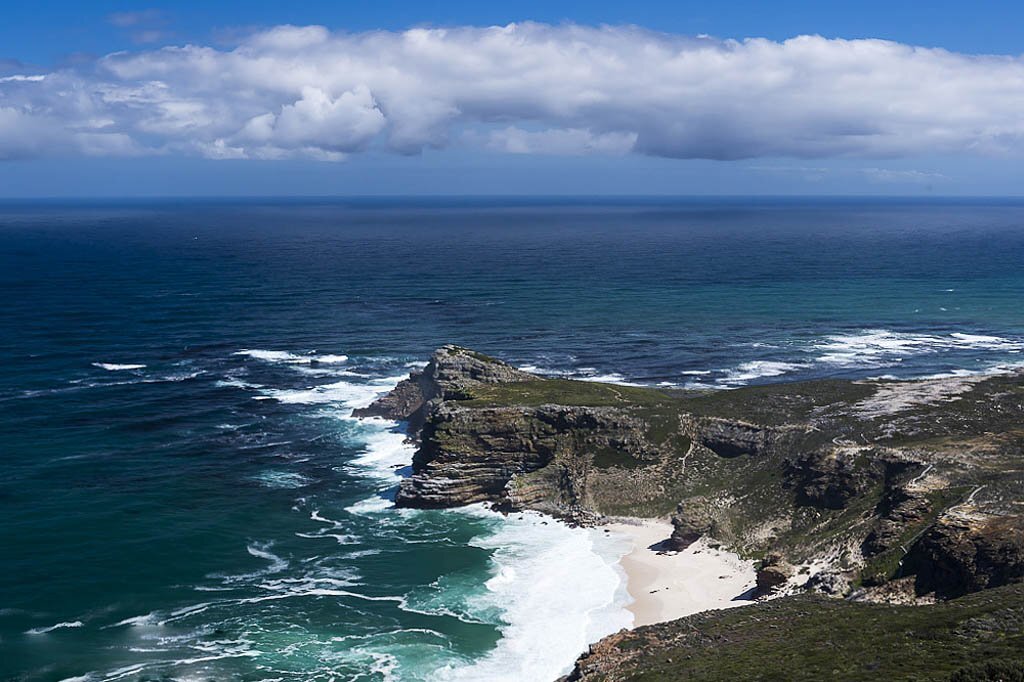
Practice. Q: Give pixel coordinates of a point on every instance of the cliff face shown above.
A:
(811, 638)
(449, 375)
(851, 486)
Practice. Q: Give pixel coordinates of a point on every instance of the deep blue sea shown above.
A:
(184, 495)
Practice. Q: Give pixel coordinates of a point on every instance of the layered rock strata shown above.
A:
(855, 487)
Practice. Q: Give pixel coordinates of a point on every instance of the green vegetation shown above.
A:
(815, 638)
(610, 458)
(564, 392)
(888, 564)
(485, 358)
(848, 472)
(777, 404)
(990, 671)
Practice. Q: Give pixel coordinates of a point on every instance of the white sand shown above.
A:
(668, 585)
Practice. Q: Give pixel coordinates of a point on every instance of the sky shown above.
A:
(110, 99)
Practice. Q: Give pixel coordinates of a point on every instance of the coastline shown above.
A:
(558, 588)
(665, 585)
(562, 589)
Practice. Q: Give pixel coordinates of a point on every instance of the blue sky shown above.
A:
(354, 130)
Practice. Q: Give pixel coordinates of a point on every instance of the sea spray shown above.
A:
(552, 589)
(557, 588)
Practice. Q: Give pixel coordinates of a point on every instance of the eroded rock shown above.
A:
(968, 552)
(690, 523)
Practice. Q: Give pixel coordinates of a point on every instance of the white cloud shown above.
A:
(878, 175)
(565, 141)
(523, 88)
(900, 176)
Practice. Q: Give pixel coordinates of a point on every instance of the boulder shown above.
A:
(965, 553)
(773, 574)
(690, 523)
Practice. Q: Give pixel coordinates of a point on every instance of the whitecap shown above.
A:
(261, 550)
(330, 359)
(346, 393)
(282, 480)
(371, 505)
(386, 450)
(115, 367)
(758, 369)
(273, 356)
(882, 347)
(58, 626)
(315, 515)
(137, 621)
(287, 358)
(612, 378)
(340, 538)
(557, 589)
(235, 382)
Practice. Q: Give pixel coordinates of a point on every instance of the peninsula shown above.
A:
(850, 496)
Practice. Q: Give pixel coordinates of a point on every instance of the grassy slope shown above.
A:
(815, 638)
(564, 392)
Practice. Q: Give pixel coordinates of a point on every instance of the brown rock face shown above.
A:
(829, 480)
(773, 574)
(804, 470)
(965, 553)
(448, 374)
(690, 523)
(900, 509)
(527, 457)
(728, 438)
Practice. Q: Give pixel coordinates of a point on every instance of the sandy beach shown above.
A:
(668, 585)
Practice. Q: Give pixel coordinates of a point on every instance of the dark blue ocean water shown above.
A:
(183, 495)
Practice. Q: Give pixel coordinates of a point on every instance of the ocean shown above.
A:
(185, 495)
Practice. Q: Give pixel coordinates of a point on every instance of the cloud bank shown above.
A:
(523, 88)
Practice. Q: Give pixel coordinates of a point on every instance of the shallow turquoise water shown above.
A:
(184, 496)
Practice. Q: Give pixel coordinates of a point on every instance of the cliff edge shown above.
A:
(875, 489)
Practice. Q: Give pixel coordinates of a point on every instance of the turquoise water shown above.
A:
(185, 496)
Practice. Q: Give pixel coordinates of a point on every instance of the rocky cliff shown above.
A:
(449, 375)
(873, 489)
(808, 638)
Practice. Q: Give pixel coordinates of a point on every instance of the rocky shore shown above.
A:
(887, 491)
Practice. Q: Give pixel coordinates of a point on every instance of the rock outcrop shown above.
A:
(451, 372)
(967, 552)
(773, 574)
(691, 522)
(571, 461)
(853, 498)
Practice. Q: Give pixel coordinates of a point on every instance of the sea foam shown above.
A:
(58, 626)
(557, 588)
(758, 369)
(285, 357)
(882, 347)
(343, 393)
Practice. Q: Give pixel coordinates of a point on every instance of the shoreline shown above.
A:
(665, 585)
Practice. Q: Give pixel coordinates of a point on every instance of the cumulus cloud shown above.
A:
(523, 88)
(564, 141)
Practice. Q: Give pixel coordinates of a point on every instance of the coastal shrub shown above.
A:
(991, 671)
